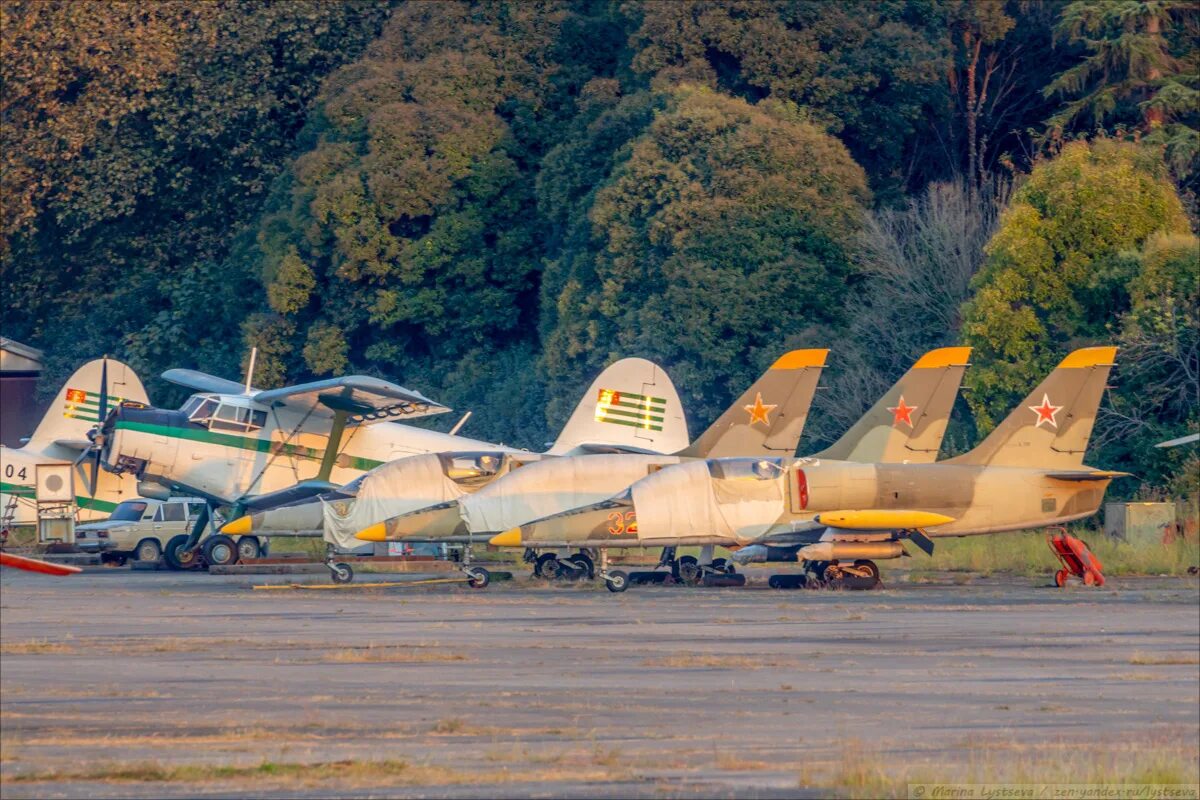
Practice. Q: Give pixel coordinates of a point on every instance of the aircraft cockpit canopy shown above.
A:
(759, 469)
(220, 415)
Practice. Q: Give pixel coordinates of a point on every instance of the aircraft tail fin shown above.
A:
(633, 405)
(77, 406)
(769, 416)
(908, 423)
(1052, 426)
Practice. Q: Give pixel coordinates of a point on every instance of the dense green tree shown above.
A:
(1157, 395)
(139, 139)
(722, 235)
(1054, 277)
(873, 71)
(1141, 70)
(406, 241)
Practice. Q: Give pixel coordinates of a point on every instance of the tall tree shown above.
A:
(722, 233)
(1054, 277)
(151, 132)
(1140, 71)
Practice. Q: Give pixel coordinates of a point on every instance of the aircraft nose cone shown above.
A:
(375, 533)
(510, 538)
(239, 526)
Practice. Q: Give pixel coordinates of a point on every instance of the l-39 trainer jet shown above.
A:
(747, 428)
(1027, 473)
(767, 419)
(631, 407)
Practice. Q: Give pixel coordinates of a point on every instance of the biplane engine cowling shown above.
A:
(153, 490)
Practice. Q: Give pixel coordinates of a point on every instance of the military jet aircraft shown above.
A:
(746, 427)
(631, 407)
(1027, 473)
(922, 398)
(62, 437)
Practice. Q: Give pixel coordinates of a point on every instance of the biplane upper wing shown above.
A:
(366, 399)
(202, 382)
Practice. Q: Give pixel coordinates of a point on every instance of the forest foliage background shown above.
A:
(490, 201)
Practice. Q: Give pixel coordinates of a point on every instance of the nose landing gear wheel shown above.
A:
(341, 573)
(616, 581)
(478, 578)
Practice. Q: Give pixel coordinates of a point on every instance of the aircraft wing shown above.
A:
(1087, 475)
(74, 444)
(202, 382)
(367, 399)
(299, 491)
(602, 448)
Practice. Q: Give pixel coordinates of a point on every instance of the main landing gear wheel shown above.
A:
(869, 573)
(176, 557)
(583, 566)
(248, 548)
(547, 566)
(478, 578)
(616, 581)
(341, 573)
(220, 550)
(689, 571)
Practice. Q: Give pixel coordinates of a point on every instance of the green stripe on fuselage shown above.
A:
(81, 501)
(244, 443)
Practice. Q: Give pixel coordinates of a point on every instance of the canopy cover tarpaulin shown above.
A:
(688, 500)
(398, 487)
(553, 486)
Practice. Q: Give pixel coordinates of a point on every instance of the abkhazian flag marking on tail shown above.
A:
(86, 405)
(628, 408)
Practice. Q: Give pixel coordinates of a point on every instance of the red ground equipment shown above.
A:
(36, 565)
(1076, 559)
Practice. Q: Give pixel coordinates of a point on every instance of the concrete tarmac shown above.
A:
(120, 684)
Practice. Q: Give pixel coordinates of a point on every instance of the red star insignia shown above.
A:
(760, 412)
(902, 413)
(1045, 412)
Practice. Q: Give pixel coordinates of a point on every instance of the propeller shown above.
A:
(94, 450)
(101, 415)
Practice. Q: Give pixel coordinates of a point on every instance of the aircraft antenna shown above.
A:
(250, 368)
(458, 425)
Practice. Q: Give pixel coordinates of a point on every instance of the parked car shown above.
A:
(141, 528)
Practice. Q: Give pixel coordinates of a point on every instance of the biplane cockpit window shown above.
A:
(199, 409)
(237, 418)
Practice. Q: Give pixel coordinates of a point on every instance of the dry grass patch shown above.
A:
(342, 774)
(1152, 660)
(864, 772)
(732, 762)
(35, 647)
(393, 654)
